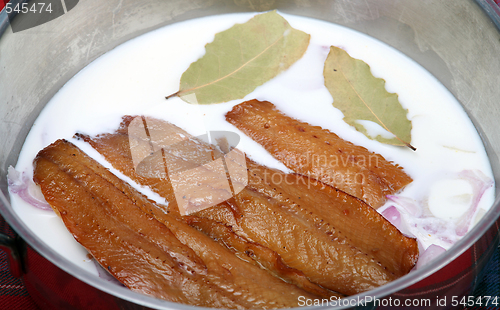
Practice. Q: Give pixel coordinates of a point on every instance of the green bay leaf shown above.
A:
(363, 97)
(241, 58)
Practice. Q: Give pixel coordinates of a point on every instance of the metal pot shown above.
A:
(457, 41)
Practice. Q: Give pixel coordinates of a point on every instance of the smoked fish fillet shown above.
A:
(161, 257)
(116, 149)
(319, 153)
(336, 213)
(336, 240)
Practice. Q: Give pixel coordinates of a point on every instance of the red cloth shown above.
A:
(13, 294)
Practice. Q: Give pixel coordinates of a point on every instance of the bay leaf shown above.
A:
(363, 97)
(241, 58)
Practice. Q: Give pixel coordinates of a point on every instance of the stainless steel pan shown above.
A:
(456, 40)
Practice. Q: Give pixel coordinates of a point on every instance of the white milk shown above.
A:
(135, 77)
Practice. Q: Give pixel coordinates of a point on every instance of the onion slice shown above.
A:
(392, 215)
(429, 255)
(409, 204)
(20, 184)
(480, 183)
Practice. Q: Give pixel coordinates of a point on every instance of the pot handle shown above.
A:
(14, 248)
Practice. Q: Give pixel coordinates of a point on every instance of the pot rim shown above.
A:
(491, 9)
(493, 12)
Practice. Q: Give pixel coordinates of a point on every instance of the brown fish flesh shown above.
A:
(319, 153)
(116, 149)
(334, 239)
(160, 256)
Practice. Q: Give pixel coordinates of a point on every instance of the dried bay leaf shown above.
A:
(241, 58)
(363, 97)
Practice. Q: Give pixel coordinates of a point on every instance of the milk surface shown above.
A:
(134, 78)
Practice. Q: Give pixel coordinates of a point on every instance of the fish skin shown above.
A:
(258, 255)
(329, 210)
(115, 148)
(159, 256)
(364, 263)
(328, 260)
(319, 153)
